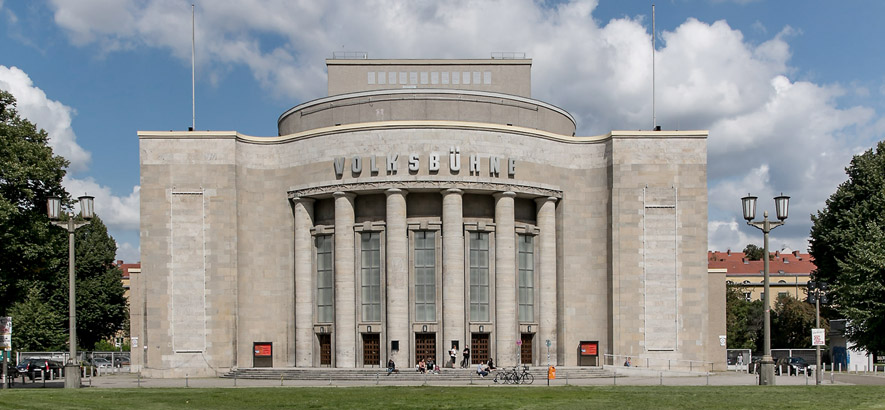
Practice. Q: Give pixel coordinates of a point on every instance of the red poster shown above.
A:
(262, 350)
(588, 348)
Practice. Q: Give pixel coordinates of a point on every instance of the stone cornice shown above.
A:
(437, 185)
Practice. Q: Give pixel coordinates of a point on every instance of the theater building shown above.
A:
(423, 204)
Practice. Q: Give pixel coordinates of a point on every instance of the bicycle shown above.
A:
(505, 376)
(525, 377)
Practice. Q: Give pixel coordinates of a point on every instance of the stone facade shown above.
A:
(350, 242)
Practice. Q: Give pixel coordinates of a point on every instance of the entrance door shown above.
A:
(371, 349)
(525, 351)
(425, 346)
(325, 349)
(479, 348)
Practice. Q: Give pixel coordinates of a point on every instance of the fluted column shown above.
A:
(506, 323)
(302, 316)
(453, 270)
(345, 291)
(546, 219)
(397, 276)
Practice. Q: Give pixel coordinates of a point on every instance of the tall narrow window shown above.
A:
(325, 279)
(425, 276)
(526, 278)
(370, 266)
(479, 276)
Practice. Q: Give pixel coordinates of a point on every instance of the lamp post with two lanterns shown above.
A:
(781, 204)
(53, 205)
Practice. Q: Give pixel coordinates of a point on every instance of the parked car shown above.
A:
(101, 362)
(31, 366)
(790, 365)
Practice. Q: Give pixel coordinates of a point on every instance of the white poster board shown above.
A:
(817, 337)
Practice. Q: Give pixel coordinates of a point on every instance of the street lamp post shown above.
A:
(53, 205)
(781, 203)
(817, 295)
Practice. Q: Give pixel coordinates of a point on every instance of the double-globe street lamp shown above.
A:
(53, 205)
(817, 294)
(781, 204)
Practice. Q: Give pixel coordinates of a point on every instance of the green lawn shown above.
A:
(510, 397)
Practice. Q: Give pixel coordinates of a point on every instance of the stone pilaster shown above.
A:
(302, 315)
(506, 321)
(453, 270)
(345, 291)
(397, 277)
(546, 219)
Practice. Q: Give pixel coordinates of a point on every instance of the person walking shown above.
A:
(454, 355)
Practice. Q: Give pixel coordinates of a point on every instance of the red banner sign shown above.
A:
(589, 348)
(262, 350)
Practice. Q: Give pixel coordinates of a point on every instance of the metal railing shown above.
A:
(656, 363)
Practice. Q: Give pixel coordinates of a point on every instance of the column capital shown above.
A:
(302, 200)
(341, 194)
(544, 199)
(505, 194)
(451, 191)
(394, 191)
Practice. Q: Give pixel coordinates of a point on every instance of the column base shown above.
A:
(72, 376)
(766, 373)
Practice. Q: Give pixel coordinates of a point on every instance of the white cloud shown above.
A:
(128, 253)
(119, 213)
(50, 115)
(708, 76)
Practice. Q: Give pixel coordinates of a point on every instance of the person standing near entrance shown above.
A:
(466, 355)
(453, 354)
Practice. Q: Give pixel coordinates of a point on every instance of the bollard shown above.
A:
(235, 379)
(186, 382)
(376, 378)
(566, 378)
(806, 375)
(616, 377)
(662, 378)
(708, 379)
(471, 379)
(139, 379)
(281, 380)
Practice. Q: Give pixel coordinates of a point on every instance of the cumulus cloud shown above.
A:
(769, 133)
(50, 115)
(120, 213)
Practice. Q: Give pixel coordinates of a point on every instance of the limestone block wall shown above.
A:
(189, 276)
(659, 281)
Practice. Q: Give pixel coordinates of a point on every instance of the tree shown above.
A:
(753, 252)
(36, 325)
(101, 306)
(34, 254)
(846, 243)
(29, 173)
(743, 320)
(792, 321)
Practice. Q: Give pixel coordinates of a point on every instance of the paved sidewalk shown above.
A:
(625, 377)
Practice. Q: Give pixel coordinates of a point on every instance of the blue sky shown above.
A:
(789, 90)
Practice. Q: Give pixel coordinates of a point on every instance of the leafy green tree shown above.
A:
(101, 306)
(753, 252)
(743, 320)
(847, 246)
(37, 326)
(29, 173)
(792, 321)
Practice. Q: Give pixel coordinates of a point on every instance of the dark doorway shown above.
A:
(425, 346)
(525, 349)
(479, 348)
(371, 349)
(325, 349)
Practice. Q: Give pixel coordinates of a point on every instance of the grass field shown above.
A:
(511, 397)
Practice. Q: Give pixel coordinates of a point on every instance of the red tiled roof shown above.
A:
(735, 263)
(126, 266)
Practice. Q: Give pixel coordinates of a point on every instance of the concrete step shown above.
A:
(539, 373)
